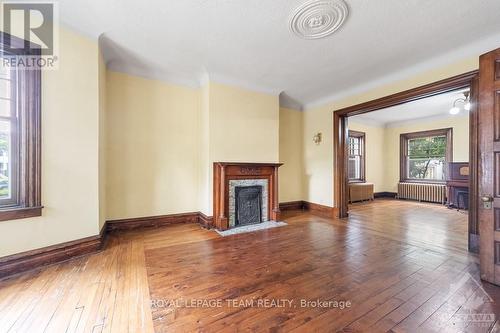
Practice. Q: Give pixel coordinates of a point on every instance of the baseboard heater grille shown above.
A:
(422, 192)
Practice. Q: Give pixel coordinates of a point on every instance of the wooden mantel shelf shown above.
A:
(249, 164)
(226, 171)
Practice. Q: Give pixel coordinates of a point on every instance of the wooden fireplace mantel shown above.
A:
(226, 171)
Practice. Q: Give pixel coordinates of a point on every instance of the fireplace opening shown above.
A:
(248, 205)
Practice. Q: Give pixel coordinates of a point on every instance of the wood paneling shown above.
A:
(496, 216)
(496, 178)
(340, 175)
(474, 165)
(496, 116)
(489, 164)
(497, 252)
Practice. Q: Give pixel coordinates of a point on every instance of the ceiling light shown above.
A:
(318, 18)
(465, 101)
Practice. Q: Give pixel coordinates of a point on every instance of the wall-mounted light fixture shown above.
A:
(465, 101)
(317, 138)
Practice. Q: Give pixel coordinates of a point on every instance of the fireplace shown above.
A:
(248, 205)
(236, 183)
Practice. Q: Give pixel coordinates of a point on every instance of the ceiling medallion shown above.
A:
(318, 18)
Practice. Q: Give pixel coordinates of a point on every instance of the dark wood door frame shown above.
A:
(340, 136)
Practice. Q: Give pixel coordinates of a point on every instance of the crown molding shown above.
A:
(144, 73)
(234, 82)
(288, 102)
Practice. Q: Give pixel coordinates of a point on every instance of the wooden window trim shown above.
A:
(403, 148)
(28, 203)
(362, 135)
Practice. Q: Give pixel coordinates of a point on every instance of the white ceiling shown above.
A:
(429, 108)
(248, 42)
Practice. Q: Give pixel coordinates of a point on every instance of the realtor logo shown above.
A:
(31, 34)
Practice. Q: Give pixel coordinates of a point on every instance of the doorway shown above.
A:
(342, 142)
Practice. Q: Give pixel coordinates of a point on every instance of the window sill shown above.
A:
(17, 213)
(357, 181)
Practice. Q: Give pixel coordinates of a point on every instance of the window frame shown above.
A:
(12, 119)
(362, 136)
(27, 201)
(403, 155)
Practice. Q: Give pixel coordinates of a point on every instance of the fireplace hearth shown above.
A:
(248, 205)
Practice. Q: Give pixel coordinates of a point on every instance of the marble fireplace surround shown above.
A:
(232, 197)
(228, 175)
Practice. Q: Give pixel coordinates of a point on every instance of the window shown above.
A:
(19, 138)
(424, 155)
(356, 152)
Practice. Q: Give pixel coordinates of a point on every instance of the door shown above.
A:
(489, 166)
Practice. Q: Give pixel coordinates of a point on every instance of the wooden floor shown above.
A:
(392, 266)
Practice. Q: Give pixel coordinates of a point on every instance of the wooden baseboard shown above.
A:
(385, 195)
(29, 260)
(313, 208)
(205, 221)
(151, 221)
(292, 205)
(321, 210)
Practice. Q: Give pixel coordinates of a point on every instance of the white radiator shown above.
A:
(422, 192)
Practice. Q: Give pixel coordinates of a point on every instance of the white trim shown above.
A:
(153, 75)
(290, 103)
(233, 82)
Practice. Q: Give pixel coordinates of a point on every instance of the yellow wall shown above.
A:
(204, 166)
(375, 153)
(243, 126)
(152, 147)
(163, 140)
(70, 116)
(291, 154)
(318, 160)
